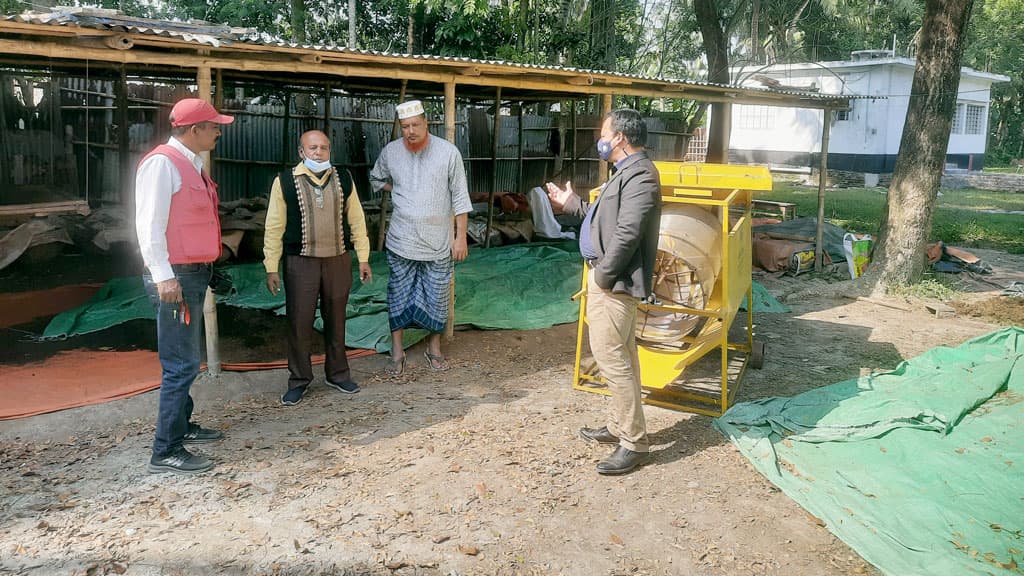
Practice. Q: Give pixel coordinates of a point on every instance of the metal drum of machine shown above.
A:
(689, 262)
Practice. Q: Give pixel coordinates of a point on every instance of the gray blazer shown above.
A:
(625, 227)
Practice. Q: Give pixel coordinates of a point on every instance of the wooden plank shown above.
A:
(940, 310)
(43, 208)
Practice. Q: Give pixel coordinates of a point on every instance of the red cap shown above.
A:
(193, 111)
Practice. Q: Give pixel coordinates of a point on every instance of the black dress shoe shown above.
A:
(621, 461)
(600, 435)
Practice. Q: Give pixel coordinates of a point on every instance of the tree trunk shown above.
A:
(298, 21)
(352, 24)
(603, 49)
(755, 28)
(907, 222)
(716, 47)
(524, 13)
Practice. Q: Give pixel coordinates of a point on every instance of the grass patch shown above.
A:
(959, 214)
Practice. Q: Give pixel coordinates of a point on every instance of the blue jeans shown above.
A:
(179, 349)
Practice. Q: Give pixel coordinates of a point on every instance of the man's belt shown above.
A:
(196, 267)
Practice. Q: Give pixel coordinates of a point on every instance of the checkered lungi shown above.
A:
(418, 293)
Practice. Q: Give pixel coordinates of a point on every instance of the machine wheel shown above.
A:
(757, 354)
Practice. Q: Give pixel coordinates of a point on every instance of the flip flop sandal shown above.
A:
(395, 368)
(436, 363)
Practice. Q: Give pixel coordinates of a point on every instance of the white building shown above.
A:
(867, 137)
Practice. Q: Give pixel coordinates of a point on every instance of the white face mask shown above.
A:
(316, 166)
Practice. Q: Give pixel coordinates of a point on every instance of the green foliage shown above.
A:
(14, 6)
(996, 44)
(959, 214)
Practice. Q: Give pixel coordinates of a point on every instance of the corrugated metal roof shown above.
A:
(204, 33)
(113, 20)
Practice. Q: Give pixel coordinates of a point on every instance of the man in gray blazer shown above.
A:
(619, 241)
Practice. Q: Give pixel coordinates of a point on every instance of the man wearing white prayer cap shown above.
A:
(427, 181)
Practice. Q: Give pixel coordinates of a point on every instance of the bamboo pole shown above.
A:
(449, 133)
(822, 175)
(204, 82)
(494, 166)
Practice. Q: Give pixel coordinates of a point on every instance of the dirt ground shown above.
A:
(478, 470)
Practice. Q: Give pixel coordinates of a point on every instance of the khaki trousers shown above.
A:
(611, 320)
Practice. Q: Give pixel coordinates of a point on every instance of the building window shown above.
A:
(974, 119)
(958, 120)
(840, 115)
(755, 117)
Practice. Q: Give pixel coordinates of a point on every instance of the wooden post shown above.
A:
(572, 139)
(5, 175)
(822, 176)
(395, 131)
(449, 134)
(218, 97)
(124, 170)
(204, 82)
(602, 167)
(494, 166)
(519, 153)
(285, 155)
(327, 109)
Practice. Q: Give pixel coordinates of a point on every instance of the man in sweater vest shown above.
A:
(314, 221)
(178, 228)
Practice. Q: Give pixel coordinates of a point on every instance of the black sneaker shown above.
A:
(180, 462)
(293, 396)
(348, 386)
(198, 435)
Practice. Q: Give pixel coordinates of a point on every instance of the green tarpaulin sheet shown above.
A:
(919, 469)
(519, 287)
(525, 287)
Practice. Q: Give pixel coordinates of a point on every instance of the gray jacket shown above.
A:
(625, 227)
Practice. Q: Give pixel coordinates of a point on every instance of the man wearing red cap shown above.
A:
(179, 237)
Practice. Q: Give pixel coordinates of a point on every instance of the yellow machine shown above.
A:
(701, 279)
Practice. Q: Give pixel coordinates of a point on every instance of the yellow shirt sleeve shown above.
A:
(357, 225)
(273, 235)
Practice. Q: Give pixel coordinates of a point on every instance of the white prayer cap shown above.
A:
(409, 109)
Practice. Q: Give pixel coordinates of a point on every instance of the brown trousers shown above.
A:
(307, 280)
(611, 319)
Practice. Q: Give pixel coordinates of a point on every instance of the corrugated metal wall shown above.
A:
(40, 162)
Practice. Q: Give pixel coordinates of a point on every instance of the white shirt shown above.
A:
(156, 181)
(427, 188)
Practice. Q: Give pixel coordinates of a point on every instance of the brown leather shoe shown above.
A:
(621, 461)
(600, 435)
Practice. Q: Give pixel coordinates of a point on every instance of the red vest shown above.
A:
(193, 225)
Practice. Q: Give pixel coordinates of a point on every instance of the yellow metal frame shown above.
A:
(721, 188)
